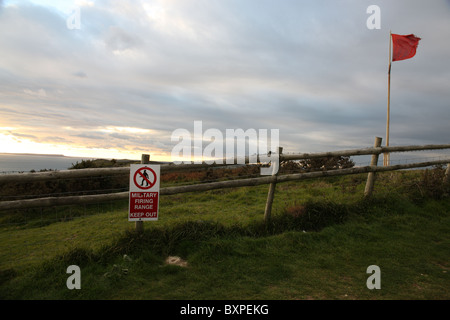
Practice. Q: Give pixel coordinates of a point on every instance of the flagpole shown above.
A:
(386, 155)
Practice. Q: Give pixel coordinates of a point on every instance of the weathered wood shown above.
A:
(59, 201)
(362, 152)
(343, 153)
(56, 201)
(63, 174)
(139, 225)
(371, 176)
(62, 201)
(386, 156)
(415, 148)
(357, 170)
(217, 185)
(447, 174)
(97, 172)
(272, 186)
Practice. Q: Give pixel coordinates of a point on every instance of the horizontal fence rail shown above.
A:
(98, 172)
(86, 199)
(363, 152)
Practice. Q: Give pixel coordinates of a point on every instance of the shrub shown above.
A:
(317, 215)
(432, 185)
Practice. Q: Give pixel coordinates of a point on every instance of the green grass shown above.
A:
(322, 237)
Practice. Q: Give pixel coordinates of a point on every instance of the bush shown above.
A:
(432, 185)
(314, 216)
(317, 164)
(327, 163)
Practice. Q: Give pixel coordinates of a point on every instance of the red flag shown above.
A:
(404, 46)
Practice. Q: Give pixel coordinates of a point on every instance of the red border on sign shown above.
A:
(150, 184)
(143, 206)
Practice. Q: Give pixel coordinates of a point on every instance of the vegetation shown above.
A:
(101, 163)
(315, 164)
(118, 183)
(322, 237)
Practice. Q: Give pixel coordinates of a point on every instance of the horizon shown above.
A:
(55, 155)
(114, 80)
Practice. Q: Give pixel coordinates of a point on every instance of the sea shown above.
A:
(15, 163)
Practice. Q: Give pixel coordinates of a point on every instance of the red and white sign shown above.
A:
(144, 192)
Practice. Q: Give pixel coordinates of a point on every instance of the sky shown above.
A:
(115, 79)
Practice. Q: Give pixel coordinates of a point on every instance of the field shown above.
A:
(321, 239)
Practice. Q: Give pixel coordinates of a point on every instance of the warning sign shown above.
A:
(144, 192)
(143, 175)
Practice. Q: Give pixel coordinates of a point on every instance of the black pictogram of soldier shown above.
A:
(145, 174)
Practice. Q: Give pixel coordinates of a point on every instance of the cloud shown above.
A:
(53, 139)
(309, 68)
(21, 135)
(80, 74)
(117, 39)
(38, 93)
(89, 136)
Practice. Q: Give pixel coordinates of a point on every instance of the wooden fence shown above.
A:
(271, 180)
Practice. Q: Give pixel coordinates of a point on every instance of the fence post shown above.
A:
(139, 225)
(371, 176)
(271, 193)
(447, 174)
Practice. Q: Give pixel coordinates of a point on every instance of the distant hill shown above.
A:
(104, 163)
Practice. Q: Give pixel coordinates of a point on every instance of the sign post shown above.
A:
(144, 193)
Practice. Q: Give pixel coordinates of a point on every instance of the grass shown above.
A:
(322, 237)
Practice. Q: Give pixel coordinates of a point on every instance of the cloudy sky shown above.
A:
(131, 72)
